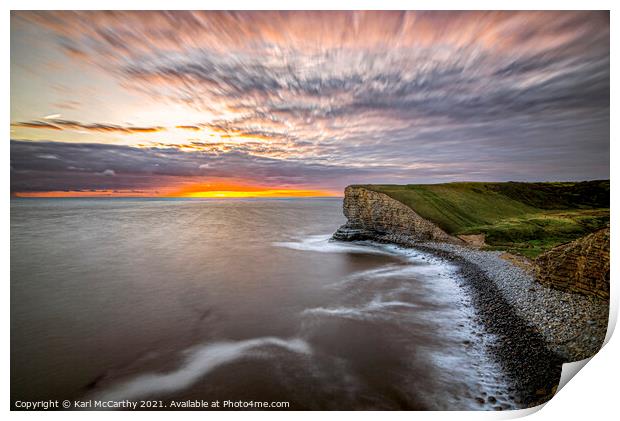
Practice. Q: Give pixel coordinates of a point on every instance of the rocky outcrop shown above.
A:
(579, 266)
(376, 216)
(475, 240)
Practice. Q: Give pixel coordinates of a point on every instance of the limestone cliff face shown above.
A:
(579, 266)
(373, 215)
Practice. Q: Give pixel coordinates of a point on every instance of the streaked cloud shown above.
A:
(186, 127)
(52, 123)
(362, 96)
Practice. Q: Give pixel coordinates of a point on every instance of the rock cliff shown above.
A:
(376, 216)
(579, 266)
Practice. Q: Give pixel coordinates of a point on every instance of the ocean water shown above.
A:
(239, 300)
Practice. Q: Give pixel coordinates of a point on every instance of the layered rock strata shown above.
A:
(376, 216)
(580, 266)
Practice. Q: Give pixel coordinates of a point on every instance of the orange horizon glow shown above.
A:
(240, 189)
(259, 193)
(208, 191)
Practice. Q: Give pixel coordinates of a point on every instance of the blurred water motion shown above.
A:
(191, 299)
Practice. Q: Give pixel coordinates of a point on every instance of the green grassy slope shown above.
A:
(527, 218)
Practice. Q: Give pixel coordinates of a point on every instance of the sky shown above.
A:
(271, 104)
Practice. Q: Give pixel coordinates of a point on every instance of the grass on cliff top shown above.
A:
(526, 218)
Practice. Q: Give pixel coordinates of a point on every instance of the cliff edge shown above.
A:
(575, 256)
(376, 216)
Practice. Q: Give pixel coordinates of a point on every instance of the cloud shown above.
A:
(555, 73)
(119, 35)
(57, 124)
(150, 168)
(37, 125)
(188, 127)
(80, 166)
(332, 97)
(47, 156)
(67, 105)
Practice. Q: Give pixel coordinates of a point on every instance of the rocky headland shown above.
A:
(371, 214)
(544, 313)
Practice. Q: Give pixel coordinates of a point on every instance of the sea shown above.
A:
(244, 302)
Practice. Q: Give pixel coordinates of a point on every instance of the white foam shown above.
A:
(453, 318)
(324, 244)
(427, 264)
(417, 268)
(372, 275)
(199, 363)
(371, 310)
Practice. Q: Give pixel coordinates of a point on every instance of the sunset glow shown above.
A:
(303, 103)
(223, 194)
(231, 190)
(215, 192)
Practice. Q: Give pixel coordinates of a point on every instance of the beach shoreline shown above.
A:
(537, 328)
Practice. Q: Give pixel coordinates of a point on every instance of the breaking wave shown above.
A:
(372, 310)
(199, 363)
(324, 244)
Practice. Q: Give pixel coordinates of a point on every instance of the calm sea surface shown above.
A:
(233, 300)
